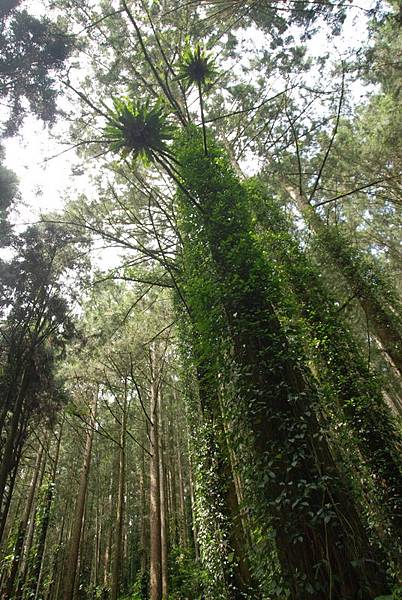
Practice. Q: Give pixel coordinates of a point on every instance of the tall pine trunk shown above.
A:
(163, 505)
(71, 563)
(118, 536)
(154, 495)
(21, 531)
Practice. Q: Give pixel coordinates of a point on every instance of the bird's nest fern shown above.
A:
(139, 129)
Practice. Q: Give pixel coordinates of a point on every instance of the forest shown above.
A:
(201, 336)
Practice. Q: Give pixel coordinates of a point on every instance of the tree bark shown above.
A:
(71, 562)
(380, 316)
(321, 542)
(48, 500)
(162, 483)
(8, 460)
(118, 539)
(19, 543)
(154, 497)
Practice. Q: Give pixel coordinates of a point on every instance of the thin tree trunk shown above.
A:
(5, 522)
(193, 521)
(142, 525)
(71, 563)
(48, 500)
(29, 540)
(8, 459)
(154, 497)
(164, 542)
(19, 543)
(109, 534)
(182, 502)
(54, 587)
(118, 539)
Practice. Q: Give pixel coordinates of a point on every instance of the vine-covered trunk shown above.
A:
(321, 542)
(365, 282)
(338, 359)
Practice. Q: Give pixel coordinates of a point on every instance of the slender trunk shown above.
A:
(154, 497)
(8, 459)
(98, 533)
(5, 522)
(109, 534)
(172, 468)
(4, 548)
(118, 539)
(182, 501)
(29, 541)
(143, 509)
(204, 132)
(17, 552)
(71, 563)
(48, 500)
(164, 543)
(193, 521)
(56, 563)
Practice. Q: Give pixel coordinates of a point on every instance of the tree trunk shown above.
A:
(143, 518)
(154, 497)
(42, 536)
(182, 501)
(323, 548)
(162, 483)
(193, 521)
(29, 538)
(71, 562)
(118, 539)
(19, 543)
(109, 533)
(386, 324)
(339, 364)
(8, 459)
